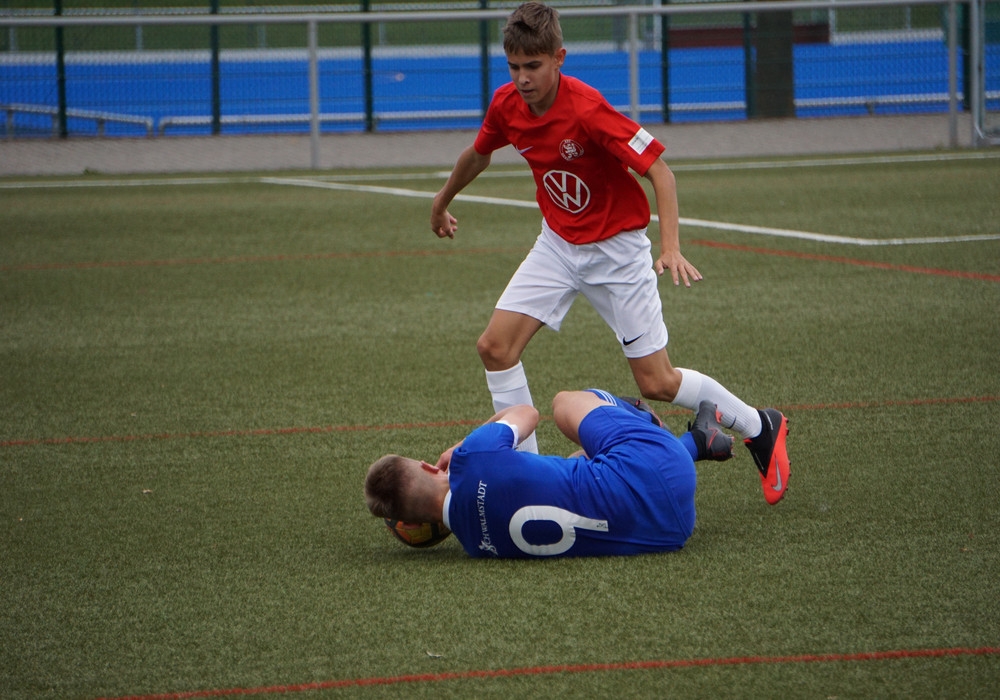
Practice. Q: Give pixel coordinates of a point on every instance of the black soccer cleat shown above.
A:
(645, 408)
(712, 443)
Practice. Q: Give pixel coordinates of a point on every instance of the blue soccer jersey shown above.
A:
(635, 495)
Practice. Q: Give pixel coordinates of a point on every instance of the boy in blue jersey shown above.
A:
(629, 491)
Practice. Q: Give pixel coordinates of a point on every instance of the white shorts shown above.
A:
(615, 275)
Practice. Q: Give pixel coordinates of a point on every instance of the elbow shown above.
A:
(660, 171)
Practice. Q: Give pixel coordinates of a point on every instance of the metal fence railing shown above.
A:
(257, 70)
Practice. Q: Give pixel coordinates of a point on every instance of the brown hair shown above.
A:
(533, 29)
(385, 484)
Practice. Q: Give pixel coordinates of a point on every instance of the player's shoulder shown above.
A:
(583, 96)
(489, 437)
(505, 106)
(505, 94)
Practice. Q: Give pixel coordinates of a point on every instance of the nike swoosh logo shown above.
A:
(629, 342)
(522, 151)
(777, 471)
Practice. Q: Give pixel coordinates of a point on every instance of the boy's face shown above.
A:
(536, 78)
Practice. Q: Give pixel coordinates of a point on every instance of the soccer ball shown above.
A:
(418, 534)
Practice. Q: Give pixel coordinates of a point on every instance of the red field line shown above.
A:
(250, 432)
(257, 432)
(849, 261)
(579, 668)
(31, 267)
(170, 262)
(887, 403)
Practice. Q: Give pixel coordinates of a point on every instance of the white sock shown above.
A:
(509, 387)
(736, 415)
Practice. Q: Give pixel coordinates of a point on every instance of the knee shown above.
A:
(559, 402)
(495, 353)
(660, 387)
(567, 413)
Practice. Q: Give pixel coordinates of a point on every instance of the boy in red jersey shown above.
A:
(593, 240)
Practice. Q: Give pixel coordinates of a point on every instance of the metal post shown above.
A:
(633, 65)
(964, 12)
(138, 27)
(484, 58)
(975, 85)
(665, 62)
(366, 43)
(313, 95)
(213, 38)
(61, 75)
(952, 76)
(749, 69)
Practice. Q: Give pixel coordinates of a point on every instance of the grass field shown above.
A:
(195, 375)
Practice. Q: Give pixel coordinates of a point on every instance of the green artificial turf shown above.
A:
(194, 379)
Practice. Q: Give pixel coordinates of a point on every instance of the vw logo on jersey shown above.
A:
(567, 190)
(570, 149)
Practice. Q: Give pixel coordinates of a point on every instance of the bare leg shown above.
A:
(500, 347)
(507, 334)
(569, 409)
(659, 380)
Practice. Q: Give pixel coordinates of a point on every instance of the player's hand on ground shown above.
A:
(444, 225)
(680, 269)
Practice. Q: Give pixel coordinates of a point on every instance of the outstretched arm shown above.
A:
(522, 416)
(470, 163)
(665, 192)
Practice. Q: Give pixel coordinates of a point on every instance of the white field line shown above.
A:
(838, 161)
(841, 161)
(131, 182)
(344, 183)
(828, 238)
(700, 223)
(397, 191)
(520, 172)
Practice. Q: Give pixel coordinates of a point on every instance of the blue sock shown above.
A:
(689, 445)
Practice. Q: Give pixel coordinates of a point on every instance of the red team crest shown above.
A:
(566, 189)
(570, 149)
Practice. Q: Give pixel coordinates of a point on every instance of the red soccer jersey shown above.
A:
(579, 151)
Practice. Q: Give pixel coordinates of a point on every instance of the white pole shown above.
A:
(975, 75)
(633, 65)
(313, 96)
(952, 76)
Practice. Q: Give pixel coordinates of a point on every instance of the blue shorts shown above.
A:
(650, 459)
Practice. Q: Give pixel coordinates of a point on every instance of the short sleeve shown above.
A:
(627, 141)
(490, 438)
(491, 136)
